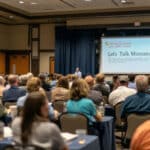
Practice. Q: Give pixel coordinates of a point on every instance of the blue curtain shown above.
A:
(75, 48)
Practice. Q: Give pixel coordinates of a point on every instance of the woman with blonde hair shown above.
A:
(79, 103)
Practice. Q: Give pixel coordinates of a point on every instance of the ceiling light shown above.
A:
(87, 0)
(11, 17)
(33, 3)
(21, 2)
(123, 1)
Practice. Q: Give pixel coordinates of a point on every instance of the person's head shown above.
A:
(79, 89)
(74, 77)
(13, 79)
(29, 75)
(33, 84)
(35, 110)
(23, 80)
(100, 78)
(42, 76)
(141, 83)
(63, 82)
(141, 137)
(2, 81)
(77, 69)
(123, 80)
(131, 77)
(90, 80)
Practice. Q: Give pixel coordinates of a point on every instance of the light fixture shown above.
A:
(33, 3)
(11, 17)
(87, 0)
(123, 1)
(21, 2)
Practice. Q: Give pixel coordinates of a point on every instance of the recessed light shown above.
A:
(87, 0)
(33, 3)
(21, 2)
(11, 17)
(123, 1)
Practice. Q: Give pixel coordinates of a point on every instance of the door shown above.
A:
(52, 65)
(18, 64)
(2, 63)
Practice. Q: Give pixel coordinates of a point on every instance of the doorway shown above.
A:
(19, 63)
(52, 65)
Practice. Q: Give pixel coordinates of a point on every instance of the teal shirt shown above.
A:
(84, 106)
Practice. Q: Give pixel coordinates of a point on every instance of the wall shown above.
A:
(44, 61)
(18, 37)
(47, 36)
(3, 36)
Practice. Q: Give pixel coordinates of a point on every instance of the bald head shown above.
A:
(90, 80)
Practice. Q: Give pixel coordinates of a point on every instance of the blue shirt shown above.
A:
(138, 103)
(84, 106)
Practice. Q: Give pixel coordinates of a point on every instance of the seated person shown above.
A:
(94, 95)
(101, 85)
(14, 92)
(2, 87)
(34, 128)
(34, 85)
(61, 91)
(79, 103)
(141, 137)
(121, 92)
(140, 102)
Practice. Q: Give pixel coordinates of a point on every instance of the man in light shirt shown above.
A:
(78, 73)
(122, 92)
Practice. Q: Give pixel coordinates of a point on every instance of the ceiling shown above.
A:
(11, 11)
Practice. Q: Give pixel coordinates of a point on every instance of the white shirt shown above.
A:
(79, 74)
(120, 94)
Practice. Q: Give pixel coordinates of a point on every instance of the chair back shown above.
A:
(133, 121)
(59, 105)
(70, 122)
(118, 121)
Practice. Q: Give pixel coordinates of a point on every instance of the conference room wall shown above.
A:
(47, 37)
(44, 61)
(3, 36)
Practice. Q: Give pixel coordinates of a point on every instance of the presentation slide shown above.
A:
(125, 55)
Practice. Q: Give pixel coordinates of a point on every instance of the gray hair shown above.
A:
(141, 83)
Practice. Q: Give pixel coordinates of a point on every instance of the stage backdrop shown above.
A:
(75, 48)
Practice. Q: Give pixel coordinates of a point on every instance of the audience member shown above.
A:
(61, 92)
(96, 96)
(141, 137)
(34, 128)
(44, 84)
(23, 81)
(122, 92)
(132, 83)
(101, 85)
(115, 82)
(140, 102)
(79, 103)
(2, 87)
(33, 85)
(14, 92)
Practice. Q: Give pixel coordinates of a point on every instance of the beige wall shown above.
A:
(18, 37)
(47, 36)
(3, 36)
(44, 61)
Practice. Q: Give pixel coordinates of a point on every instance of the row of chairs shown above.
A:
(127, 129)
